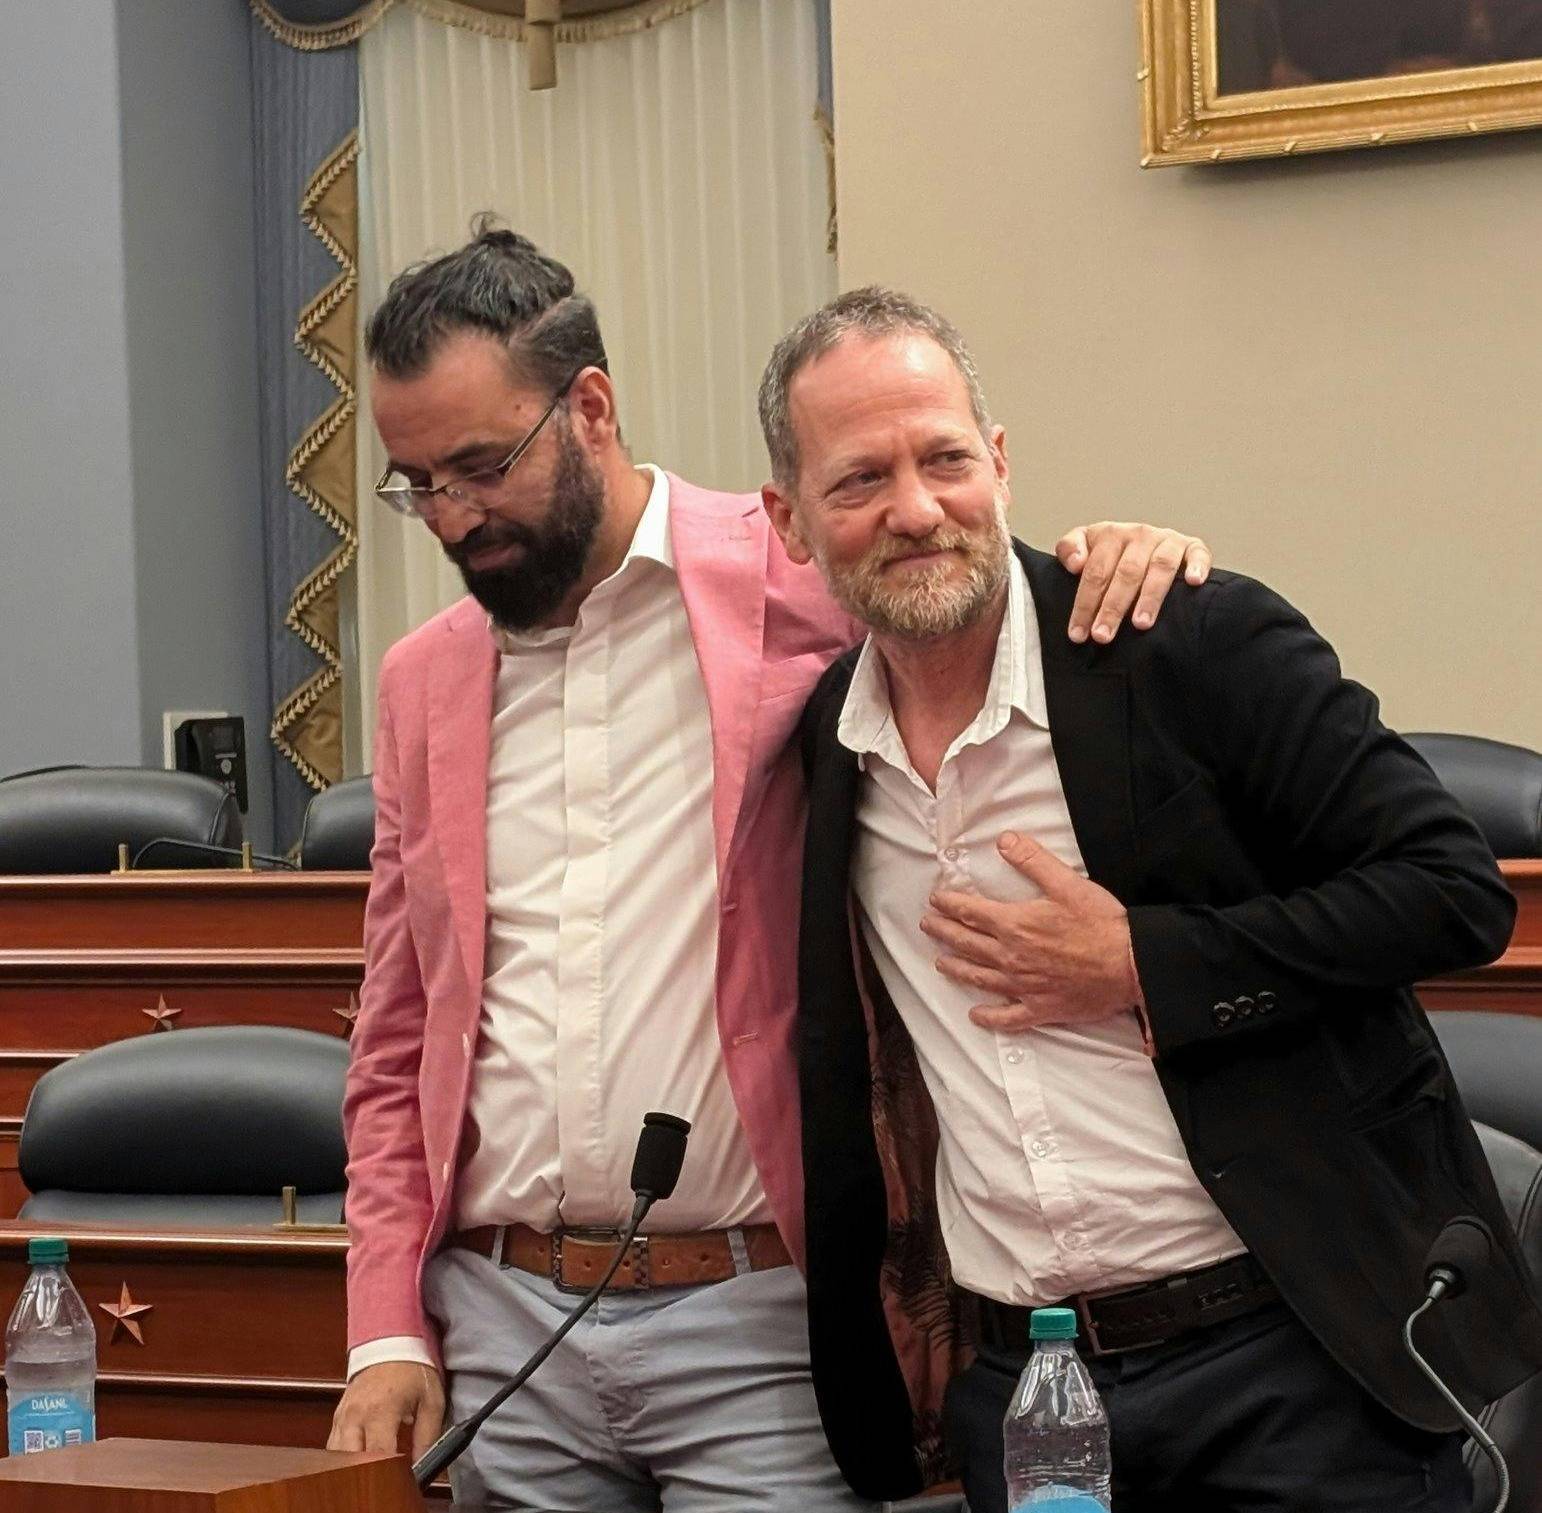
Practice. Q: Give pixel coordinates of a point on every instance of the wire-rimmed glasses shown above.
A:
(476, 491)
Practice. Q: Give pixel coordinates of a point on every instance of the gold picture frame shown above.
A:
(1187, 119)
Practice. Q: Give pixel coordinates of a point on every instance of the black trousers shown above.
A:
(1253, 1414)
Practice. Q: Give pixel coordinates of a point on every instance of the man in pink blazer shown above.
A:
(584, 905)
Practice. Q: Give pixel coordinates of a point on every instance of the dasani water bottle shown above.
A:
(50, 1358)
(1056, 1429)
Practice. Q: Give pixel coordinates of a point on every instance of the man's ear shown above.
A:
(592, 404)
(784, 521)
(997, 441)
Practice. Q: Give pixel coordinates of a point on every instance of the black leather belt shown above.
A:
(1137, 1318)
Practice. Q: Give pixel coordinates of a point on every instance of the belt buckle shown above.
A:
(637, 1251)
(1094, 1339)
(1090, 1330)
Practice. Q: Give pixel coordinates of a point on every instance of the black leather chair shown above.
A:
(201, 1127)
(1515, 1421)
(73, 819)
(1499, 785)
(339, 827)
(1497, 1062)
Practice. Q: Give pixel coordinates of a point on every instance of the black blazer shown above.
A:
(1290, 867)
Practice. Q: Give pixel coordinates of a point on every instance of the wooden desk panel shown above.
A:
(53, 1005)
(12, 1193)
(149, 911)
(244, 1338)
(63, 1000)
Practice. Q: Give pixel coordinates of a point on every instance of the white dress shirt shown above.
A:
(598, 999)
(1060, 1169)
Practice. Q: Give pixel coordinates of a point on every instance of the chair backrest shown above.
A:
(1499, 785)
(203, 1125)
(1497, 1062)
(1514, 1422)
(339, 827)
(73, 819)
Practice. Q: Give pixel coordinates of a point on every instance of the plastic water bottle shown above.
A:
(1056, 1429)
(50, 1358)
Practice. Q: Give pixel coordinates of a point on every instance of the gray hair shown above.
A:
(500, 283)
(874, 312)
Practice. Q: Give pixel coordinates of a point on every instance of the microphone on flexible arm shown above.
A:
(655, 1170)
(1461, 1250)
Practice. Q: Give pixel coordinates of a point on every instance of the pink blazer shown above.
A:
(764, 631)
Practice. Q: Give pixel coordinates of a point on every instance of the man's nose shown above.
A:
(452, 522)
(913, 508)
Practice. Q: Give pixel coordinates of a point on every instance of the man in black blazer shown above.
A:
(1104, 970)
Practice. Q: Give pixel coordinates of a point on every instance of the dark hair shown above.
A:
(871, 311)
(500, 283)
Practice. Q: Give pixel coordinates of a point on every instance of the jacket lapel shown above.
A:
(720, 544)
(459, 741)
(1089, 721)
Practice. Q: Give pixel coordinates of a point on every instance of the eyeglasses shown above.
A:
(476, 491)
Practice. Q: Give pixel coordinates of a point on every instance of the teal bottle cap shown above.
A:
(41, 1252)
(1052, 1324)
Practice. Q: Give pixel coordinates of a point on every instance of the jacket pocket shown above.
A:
(1401, 1092)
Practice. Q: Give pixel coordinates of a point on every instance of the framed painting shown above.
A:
(1230, 79)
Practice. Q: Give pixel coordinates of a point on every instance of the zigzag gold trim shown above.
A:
(622, 22)
(826, 128)
(306, 725)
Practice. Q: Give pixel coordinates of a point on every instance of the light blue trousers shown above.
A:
(684, 1399)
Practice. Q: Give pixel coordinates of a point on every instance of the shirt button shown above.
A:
(1042, 1148)
(951, 853)
(1015, 1054)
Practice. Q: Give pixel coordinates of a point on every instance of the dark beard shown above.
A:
(528, 591)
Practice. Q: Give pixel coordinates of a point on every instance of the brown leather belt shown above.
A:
(575, 1259)
(1136, 1318)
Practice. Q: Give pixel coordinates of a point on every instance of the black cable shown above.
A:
(209, 850)
(455, 1439)
(1437, 1289)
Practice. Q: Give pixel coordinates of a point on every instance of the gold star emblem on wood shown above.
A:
(349, 1015)
(164, 1018)
(125, 1315)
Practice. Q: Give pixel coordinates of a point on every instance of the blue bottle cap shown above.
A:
(47, 1252)
(1052, 1324)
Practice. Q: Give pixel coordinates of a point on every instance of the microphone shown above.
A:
(660, 1154)
(1460, 1252)
(206, 849)
(655, 1170)
(1462, 1249)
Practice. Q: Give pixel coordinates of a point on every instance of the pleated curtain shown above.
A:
(678, 170)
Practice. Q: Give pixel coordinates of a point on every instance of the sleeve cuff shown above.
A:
(396, 1347)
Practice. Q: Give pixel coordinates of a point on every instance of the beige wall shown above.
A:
(1331, 368)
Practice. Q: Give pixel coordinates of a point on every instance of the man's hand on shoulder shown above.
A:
(381, 1399)
(1060, 959)
(1121, 564)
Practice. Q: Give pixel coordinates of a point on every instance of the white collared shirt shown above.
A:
(1060, 1169)
(598, 997)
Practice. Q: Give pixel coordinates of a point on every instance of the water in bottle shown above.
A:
(1056, 1429)
(50, 1358)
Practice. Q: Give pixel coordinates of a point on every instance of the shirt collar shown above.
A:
(867, 724)
(650, 543)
